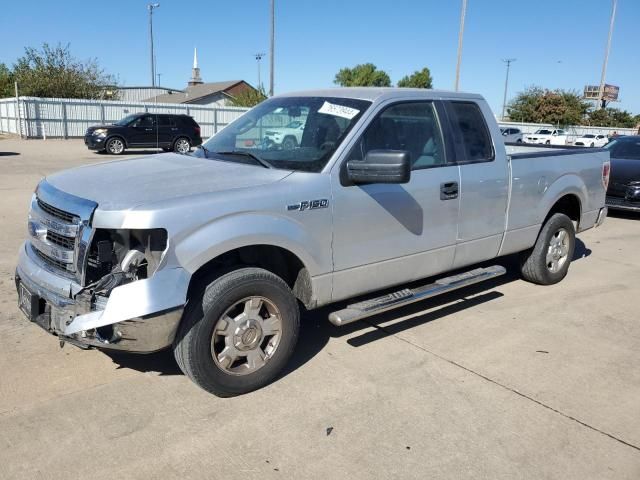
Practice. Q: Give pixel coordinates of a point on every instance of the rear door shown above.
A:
(484, 183)
(167, 129)
(386, 234)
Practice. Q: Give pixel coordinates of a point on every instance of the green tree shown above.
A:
(419, 79)
(561, 107)
(6, 82)
(54, 72)
(249, 97)
(364, 75)
(612, 117)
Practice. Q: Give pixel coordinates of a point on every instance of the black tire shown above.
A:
(289, 143)
(548, 142)
(592, 145)
(115, 146)
(179, 143)
(193, 343)
(534, 265)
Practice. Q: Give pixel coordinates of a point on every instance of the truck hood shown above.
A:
(125, 184)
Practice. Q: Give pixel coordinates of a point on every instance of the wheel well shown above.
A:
(569, 205)
(277, 260)
(115, 135)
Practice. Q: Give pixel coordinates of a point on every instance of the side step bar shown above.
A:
(367, 308)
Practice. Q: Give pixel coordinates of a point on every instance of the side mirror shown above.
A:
(381, 166)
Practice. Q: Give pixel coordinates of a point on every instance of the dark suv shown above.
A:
(143, 130)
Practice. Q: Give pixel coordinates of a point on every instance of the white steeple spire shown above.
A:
(195, 71)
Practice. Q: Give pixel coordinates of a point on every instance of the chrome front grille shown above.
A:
(59, 230)
(67, 243)
(57, 213)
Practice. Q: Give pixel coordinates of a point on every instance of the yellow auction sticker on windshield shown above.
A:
(338, 110)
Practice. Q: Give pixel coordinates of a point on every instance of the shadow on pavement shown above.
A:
(624, 214)
(8, 154)
(316, 330)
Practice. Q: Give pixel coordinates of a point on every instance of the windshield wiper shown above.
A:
(242, 153)
(205, 150)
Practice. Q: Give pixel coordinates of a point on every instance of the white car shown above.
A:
(547, 136)
(511, 135)
(591, 140)
(287, 137)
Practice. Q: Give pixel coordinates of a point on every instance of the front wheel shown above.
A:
(115, 146)
(239, 333)
(548, 261)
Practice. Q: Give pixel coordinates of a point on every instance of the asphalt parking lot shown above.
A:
(510, 381)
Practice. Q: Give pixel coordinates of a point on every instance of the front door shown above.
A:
(143, 132)
(391, 234)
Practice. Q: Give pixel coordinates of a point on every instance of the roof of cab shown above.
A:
(382, 93)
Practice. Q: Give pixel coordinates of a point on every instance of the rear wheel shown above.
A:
(289, 143)
(239, 334)
(182, 145)
(549, 259)
(115, 146)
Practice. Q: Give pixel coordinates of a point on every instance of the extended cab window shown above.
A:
(411, 126)
(472, 130)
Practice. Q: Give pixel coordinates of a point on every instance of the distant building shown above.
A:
(136, 94)
(200, 93)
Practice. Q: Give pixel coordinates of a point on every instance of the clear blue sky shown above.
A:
(558, 44)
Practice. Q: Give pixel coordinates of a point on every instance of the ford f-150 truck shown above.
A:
(215, 254)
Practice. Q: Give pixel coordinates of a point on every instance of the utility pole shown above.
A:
(508, 61)
(159, 75)
(463, 14)
(603, 103)
(150, 7)
(258, 57)
(272, 47)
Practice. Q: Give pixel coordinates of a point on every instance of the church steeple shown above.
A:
(195, 71)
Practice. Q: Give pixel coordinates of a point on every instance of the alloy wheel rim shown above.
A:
(246, 336)
(115, 146)
(558, 250)
(183, 146)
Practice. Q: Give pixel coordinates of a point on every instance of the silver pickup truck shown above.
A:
(213, 254)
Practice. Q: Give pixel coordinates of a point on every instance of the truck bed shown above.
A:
(539, 175)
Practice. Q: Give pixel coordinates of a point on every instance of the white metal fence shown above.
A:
(34, 117)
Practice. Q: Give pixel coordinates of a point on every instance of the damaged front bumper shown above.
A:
(141, 316)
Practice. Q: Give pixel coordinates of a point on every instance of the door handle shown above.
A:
(149, 129)
(448, 190)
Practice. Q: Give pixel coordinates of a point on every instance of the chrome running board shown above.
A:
(377, 305)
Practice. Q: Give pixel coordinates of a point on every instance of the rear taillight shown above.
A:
(606, 170)
(198, 130)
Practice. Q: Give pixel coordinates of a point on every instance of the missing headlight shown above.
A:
(121, 256)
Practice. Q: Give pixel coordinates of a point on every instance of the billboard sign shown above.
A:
(610, 94)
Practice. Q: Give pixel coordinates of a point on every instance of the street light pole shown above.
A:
(272, 47)
(508, 61)
(463, 14)
(606, 55)
(258, 57)
(150, 7)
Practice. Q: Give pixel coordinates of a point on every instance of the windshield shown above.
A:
(588, 135)
(265, 132)
(543, 132)
(126, 120)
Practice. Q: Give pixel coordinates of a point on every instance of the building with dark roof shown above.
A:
(199, 92)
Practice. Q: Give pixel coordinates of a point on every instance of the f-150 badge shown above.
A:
(309, 205)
